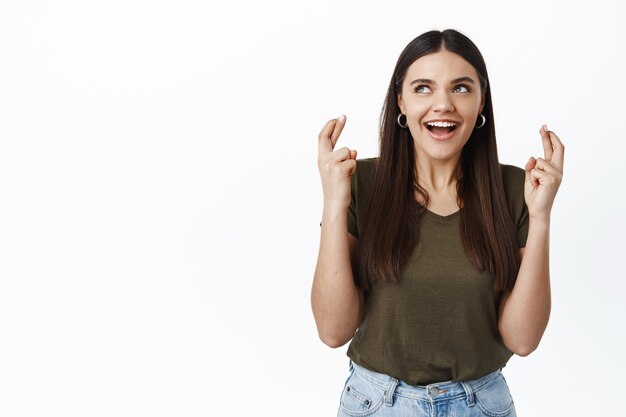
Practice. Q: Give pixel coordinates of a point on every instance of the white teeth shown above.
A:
(441, 124)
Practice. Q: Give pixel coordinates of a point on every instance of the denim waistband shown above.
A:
(431, 392)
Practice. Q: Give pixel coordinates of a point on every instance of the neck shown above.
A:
(437, 175)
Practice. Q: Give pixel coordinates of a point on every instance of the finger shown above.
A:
(529, 167)
(341, 122)
(323, 139)
(546, 166)
(541, 176)
(349, 165)
(559, 151)
(530, 164)
(547, 143)
(534, 176)
(546, 178)
(352, 153)
(341, 154)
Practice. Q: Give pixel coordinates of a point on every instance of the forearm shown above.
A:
(334, 297)
(525, 315)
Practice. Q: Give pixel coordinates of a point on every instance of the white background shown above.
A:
(160, 199)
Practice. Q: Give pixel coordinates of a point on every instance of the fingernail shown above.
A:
(341, 118)
(545, 127)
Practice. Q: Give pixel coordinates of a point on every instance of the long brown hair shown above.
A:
(391, 226)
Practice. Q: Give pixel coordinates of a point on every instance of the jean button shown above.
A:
(434, 391)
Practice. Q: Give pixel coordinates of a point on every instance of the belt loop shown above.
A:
(389, 392)
(351, 367)
(470, 393)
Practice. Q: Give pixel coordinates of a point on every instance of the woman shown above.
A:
(433, 256)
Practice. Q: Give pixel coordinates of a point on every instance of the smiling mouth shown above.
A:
(441, 128)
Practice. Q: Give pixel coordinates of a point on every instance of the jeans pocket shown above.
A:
(494, 398)
(361, 397)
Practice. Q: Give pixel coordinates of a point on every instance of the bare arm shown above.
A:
(524, 312)
(336, 301)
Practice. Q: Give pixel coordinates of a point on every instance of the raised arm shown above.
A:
(336, 301)
(524, 312)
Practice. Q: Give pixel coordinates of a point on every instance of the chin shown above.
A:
(439, 152)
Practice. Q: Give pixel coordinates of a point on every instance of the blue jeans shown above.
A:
(369, 393)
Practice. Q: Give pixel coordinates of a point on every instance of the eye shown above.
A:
(422, 89)
(462, 88)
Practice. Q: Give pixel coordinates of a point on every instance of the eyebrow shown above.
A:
(456, 80)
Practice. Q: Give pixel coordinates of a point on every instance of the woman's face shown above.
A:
(441, 98)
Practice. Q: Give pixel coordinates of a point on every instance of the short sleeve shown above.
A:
(513, 180)
(522, 226)
(353, 226)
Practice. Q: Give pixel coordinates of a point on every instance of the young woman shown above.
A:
(433, 256)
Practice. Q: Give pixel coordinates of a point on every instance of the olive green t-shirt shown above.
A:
(439, 322)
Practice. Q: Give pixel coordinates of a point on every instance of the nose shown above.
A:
(442, 102)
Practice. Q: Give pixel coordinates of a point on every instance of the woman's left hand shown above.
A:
(543, 176)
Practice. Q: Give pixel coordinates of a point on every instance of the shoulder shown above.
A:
(366, 164)
(512, 178)
(365, 169)
(363, 177)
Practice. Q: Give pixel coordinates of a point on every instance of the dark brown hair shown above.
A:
(391, 227)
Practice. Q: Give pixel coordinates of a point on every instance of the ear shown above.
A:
(400, 103)
(482, 103)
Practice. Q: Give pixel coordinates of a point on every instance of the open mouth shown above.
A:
(441, 128)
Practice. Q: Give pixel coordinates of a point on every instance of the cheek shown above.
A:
(473, 107)
(416, 110)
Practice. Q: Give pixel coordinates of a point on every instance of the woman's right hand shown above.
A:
(336, 166)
